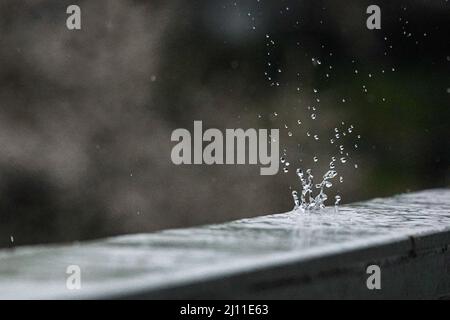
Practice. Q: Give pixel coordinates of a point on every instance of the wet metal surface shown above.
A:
(158, 260)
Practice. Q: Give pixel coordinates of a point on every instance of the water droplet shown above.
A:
(296, 200)
(343, 160)
(290, 134)
(338, 200)
(315, 159)
(313, 116)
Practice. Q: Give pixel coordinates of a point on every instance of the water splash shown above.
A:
(307, 200)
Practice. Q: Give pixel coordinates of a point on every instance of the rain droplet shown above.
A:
(338, 199)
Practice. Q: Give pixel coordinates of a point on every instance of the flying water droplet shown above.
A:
(296, 200)
(338, 200)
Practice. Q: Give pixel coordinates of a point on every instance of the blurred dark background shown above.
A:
(86, 116)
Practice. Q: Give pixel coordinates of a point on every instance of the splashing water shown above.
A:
(310, 195)
(307, 200)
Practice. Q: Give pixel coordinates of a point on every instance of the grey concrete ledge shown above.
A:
(284, 256)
